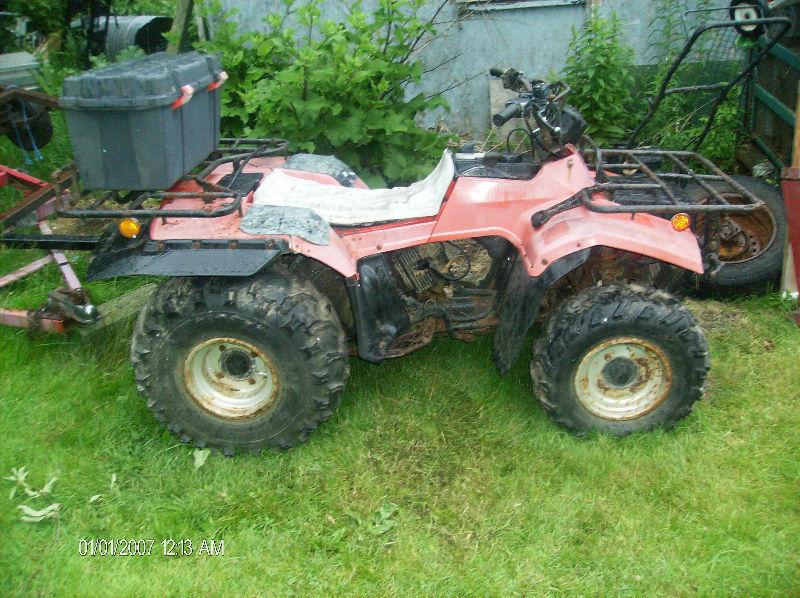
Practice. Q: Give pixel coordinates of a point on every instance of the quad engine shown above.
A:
(440, 269)
(447, 286)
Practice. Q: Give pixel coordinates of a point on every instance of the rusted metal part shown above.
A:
(742, 237)
(231, 378)
(782, 24)
(684, 173)
(661, 184)
(38, 193)
(21, 273)
(19, 318)
(221, 201)
(416, 338)
(66, 304)
(14, 177)
(623, 378)
(72, 304)
(70, 278)
(10, 93)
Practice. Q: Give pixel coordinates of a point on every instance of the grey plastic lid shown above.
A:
(146, 82)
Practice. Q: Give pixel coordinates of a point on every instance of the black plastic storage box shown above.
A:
(144, 123)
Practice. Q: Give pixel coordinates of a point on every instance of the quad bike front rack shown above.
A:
(644, 190)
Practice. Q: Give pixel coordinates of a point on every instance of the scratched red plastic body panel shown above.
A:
(473, 207)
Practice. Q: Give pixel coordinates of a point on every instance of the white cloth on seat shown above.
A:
(349, 205)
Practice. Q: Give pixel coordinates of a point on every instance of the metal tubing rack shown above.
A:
(64, 191)
(238, 152)
(765, 45)
(664, 187)
(71, 303)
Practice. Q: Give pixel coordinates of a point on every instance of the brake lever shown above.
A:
(514, 80)
(563, 93)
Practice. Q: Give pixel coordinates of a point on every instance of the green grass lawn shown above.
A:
(436, 476)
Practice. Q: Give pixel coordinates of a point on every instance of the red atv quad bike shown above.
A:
(280, 268)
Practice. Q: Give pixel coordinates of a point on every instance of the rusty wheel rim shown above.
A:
(623, 378)
(743, 237)
(230, 378)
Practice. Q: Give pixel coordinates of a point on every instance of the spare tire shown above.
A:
(751, 247)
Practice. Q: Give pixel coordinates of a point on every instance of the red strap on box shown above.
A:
(187, 91)
(223, 76)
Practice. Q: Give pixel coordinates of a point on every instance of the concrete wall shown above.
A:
(530, 35)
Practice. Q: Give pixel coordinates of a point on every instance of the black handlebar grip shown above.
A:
(496, 72)
(505, 115)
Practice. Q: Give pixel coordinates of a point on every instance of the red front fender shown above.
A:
(579, 228)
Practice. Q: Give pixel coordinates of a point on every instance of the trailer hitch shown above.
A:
(72, 304)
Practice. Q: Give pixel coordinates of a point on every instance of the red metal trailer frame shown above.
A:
(46, 318)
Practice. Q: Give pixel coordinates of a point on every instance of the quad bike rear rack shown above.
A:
(64, 193)
(628, 184)
(62, 198)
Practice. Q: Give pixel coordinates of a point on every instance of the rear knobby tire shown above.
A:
(240, 364)
(659, 355)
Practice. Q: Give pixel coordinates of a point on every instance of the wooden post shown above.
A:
(200, 23)
(791, 197)
(180, 26)
(796, 143)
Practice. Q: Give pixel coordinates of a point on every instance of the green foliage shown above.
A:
(680, 121)
(600, 71)
(46, 16)
(435, 477)
(333, 86)
(145, 7)
(128, 53)
(52, 17)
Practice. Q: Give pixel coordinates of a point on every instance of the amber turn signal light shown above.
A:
(680, 222)
(129, 228)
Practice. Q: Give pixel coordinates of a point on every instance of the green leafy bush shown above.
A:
(600, 70)
(680, 121)
(330, 86)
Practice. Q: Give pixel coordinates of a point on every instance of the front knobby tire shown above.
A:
(619, 359)
(240, 364)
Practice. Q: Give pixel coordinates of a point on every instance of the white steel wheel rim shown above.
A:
(623, 378)
(230, 378)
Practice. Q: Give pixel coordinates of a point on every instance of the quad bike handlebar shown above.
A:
(541, 100)
(512, 110)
